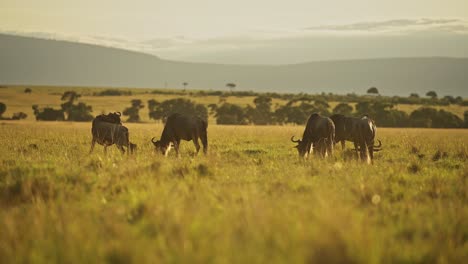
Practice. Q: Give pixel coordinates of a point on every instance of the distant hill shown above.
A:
(31, 61)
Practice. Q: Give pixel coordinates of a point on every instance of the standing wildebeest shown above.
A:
(108, 130)
(361, 131)
(318, 136)
(182, 127)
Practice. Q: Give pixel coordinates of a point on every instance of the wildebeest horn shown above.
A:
(118, 113)
(380, 144)
(152, 140)
(378, 148)
(295, 141)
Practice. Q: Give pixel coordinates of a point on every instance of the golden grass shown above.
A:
(250, 200)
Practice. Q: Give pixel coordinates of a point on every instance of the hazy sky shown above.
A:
(216, 30)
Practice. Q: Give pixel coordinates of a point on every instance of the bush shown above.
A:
(75, 112)
(48, 114)
(19, 116)
(113, 92)
(133, 112)
(430, 117)
(2, 109)
(230, 114)
(160, 111)
(343, 109)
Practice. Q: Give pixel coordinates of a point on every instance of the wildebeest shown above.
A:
(108, 130)
(180, 127)
(318, 137)
(361, 131)
(110, 118)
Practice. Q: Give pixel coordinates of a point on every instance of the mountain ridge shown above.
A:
(35, 61)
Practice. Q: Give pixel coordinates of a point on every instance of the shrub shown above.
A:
(113, 92)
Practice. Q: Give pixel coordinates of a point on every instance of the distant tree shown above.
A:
(185, 85)
(160, 111)
(294, 114)
(261, 114)
(465, 118)
(430, 117)
(75, 112)
(48, 114)
(449, 99)
(27, 90)
(372, 90)
(321, 107)
(70, 96)
(432, 94)
(213, 108)
(230, 114)
(414, 95)
(113, 92)
(19, 116)
(2, 109)
(133, 112)
(231, 86)
(364, 108)
(343, 109)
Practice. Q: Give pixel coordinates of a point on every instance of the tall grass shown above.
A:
(250, 200)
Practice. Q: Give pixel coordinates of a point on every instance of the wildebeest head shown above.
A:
(161, 147)
(301, 146)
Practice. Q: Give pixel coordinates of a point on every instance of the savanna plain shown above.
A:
(250, 200)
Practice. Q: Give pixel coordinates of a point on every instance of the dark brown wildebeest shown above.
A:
(318, 137)
(108, 130)
(180, 127)
(110, 118)
(360, 131)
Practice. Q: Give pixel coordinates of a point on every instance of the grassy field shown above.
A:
(17, 101)
(250, 200)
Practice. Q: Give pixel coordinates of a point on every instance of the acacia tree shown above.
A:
(231, 86)
(75, 112)
(432, 94)
(133, 112)
(373, 90)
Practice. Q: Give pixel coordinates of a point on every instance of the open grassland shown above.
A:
(250, 200)
(17, 101)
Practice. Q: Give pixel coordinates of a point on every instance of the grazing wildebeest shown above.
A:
(180, 127)
(319, 135)
(361, 131)
(108, 130)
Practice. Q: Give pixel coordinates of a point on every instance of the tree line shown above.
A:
(262, 112)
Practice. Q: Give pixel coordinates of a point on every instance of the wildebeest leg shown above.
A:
(121, 148)
(176, 147)
(204, 141)
(105, 149)
(197, 145)
(356, 149)
(342, 144)
(330, 147)
(93, 142)
(364, 152)
(370, 148)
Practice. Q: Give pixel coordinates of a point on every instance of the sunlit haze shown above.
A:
(250, 31)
